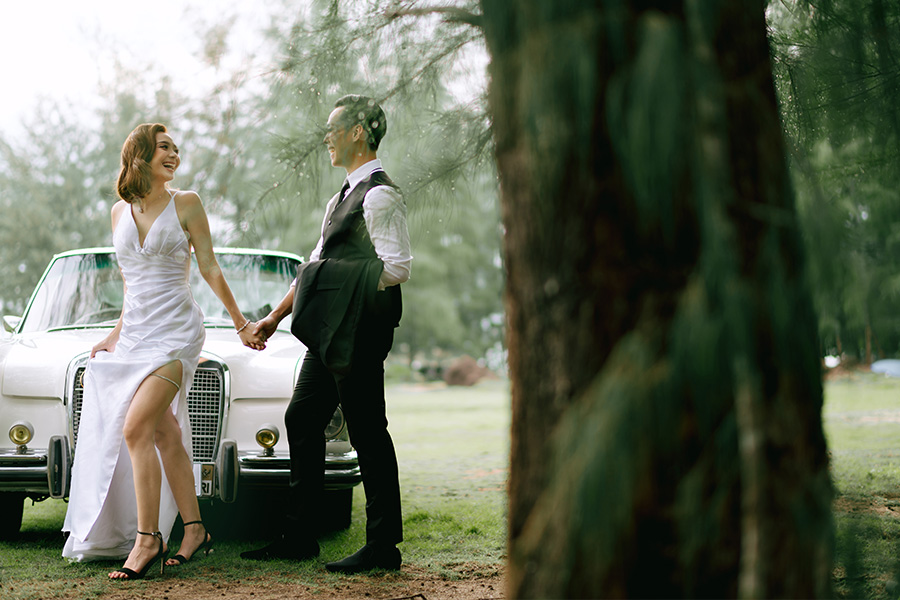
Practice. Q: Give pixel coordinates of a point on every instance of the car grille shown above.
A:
(205, 403)
(205, 411)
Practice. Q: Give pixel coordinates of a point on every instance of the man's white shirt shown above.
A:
(385, 214)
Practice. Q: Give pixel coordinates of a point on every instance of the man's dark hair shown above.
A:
(362, 110)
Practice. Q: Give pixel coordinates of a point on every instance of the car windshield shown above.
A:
(85, 290)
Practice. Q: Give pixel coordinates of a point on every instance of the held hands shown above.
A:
(265, 328)
(250, 337)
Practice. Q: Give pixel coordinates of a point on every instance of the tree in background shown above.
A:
(437, 150)
(836, 67)
(253, 151)
(667, 437)
(57, 194)
(58, 180)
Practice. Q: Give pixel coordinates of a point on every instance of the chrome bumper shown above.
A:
(43, 471)
(341, 470)
(46, 471)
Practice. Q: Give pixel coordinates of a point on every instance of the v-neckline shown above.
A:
(149, 229)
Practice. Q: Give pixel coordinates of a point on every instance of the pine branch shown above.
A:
(435, 59)
(451, 14)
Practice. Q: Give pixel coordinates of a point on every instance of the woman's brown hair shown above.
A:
(137, 152)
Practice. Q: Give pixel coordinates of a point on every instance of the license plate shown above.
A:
(203, 478)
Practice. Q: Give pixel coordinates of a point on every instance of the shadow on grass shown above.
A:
(867, 556)
(40, 538)
(848, 560)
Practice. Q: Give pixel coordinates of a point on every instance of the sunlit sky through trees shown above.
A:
(63, 51)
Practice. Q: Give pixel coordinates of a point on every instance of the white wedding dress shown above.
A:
(161, 323)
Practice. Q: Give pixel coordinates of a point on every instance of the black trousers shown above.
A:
(361, 395)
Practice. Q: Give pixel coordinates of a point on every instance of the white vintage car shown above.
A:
(236, 403)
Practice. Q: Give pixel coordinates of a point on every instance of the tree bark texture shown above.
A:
(666, 387)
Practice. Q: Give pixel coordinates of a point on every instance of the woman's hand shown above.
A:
(251, 338)
(107, 344)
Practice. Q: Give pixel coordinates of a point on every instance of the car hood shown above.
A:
(35, 364)
(269, 373)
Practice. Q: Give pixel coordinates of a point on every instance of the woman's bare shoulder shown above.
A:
(187, 201)
(118, 207)
(186, 196)
(116, 213)
(188, 207)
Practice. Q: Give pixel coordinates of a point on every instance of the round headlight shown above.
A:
(267, 436)
(21, 433)
(336, 426)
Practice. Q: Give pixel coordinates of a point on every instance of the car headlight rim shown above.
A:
(336, 426)
(21, 433)
(267, 436)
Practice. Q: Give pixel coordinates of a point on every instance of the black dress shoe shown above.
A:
(370, 556)
(285, 548)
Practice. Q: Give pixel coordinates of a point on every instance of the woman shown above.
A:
(137, 380)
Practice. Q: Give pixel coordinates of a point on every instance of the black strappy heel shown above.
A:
(206, 545)
(160, 556)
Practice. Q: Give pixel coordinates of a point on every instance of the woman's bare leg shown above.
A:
(180, 475)
(150, 403)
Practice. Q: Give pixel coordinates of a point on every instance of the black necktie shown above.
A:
(344, 191)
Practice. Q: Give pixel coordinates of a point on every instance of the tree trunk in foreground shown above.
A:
(666, 437)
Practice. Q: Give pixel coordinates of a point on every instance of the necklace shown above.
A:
(142, 202)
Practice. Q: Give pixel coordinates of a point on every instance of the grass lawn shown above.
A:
(452, 445)
(862, 425)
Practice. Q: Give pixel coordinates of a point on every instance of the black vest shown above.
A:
(345, 236)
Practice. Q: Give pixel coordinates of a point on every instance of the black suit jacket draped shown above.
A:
(337, 297)
(330, 302)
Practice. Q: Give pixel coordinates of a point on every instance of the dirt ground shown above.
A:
(465, 582)
(881, 506)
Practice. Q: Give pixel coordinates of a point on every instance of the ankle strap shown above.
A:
(155, 534)
(193, 523)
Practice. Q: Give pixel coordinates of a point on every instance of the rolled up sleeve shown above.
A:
(384, 211)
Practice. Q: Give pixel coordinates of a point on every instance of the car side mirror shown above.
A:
(10, 322)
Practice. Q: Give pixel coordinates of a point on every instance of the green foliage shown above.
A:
(52, 200)
(836, 65)
(437, 149)
(58, 180)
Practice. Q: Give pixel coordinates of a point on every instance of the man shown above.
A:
(346, 304)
